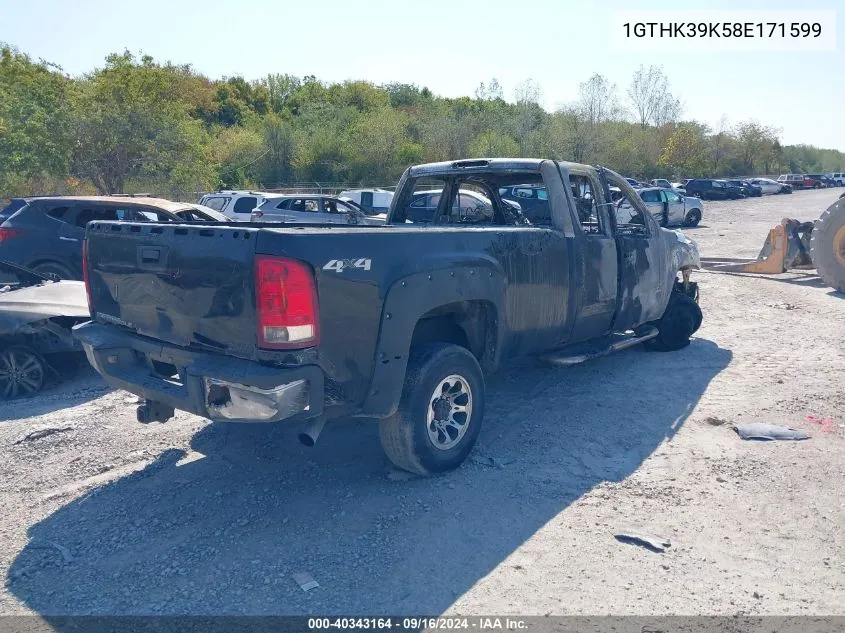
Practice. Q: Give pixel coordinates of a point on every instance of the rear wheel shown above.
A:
(679, 322)
(692, 218)
(440, 413)
(827, 245)
(54, 270)
(21, 372)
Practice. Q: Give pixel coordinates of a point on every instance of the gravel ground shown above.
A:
(107, 516)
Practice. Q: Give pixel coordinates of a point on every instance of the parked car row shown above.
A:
(785, 183)
(813, 181)
(718, 188)
(680, 203)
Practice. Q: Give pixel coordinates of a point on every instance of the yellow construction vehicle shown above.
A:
(796, 245)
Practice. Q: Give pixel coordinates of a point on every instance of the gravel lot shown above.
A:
(112, 517)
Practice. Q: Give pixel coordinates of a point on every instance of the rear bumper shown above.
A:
(214, 386)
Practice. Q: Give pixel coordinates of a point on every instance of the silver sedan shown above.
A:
(668, 207)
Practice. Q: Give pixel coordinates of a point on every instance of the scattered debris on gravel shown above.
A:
(649, 541)
(41, 433)
(762, 431)
(305, 581)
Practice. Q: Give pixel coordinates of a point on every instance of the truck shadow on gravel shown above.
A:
(224, 532)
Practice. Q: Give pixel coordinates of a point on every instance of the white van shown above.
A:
(236, 205)
(370, 200)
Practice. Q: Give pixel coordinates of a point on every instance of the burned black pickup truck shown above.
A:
(398, 322)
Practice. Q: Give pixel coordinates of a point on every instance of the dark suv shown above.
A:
(45, 234)
(710, 189)
(533, 201)
(7, 211)
(749, 189)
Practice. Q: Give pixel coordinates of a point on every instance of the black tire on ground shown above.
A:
(22, 372)
(679, 322)
(440, 413)
(54, 270)
(827, 245)
(692, 218)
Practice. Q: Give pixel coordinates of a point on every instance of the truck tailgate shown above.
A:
(188, 285)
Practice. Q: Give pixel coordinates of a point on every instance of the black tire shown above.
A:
(827, 245)
(679, 322)
(22, 372)
(406, 436)
(692, 218)
(54, 270)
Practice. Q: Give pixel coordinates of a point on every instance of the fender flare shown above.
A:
(411, 297)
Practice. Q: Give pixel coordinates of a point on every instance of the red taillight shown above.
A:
(7, 234)
(85, 276)
(286, 303)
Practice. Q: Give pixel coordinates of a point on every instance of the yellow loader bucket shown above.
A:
(786, 248)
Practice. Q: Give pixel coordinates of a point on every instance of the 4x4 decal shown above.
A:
(339, 265)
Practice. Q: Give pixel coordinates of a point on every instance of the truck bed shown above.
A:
(193, 286)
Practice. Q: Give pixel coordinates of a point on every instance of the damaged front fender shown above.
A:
(683, 252)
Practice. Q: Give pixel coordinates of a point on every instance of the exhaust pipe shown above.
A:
(311, 432)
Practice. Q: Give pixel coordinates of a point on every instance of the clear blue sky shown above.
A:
(448, 45)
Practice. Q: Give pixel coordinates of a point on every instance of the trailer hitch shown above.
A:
(153, 411)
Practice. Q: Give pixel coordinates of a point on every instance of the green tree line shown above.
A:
(139, 125)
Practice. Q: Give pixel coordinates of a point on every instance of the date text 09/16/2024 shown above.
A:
(420, 623)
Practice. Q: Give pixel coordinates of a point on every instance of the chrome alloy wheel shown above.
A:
(21, 372)
(449, 411)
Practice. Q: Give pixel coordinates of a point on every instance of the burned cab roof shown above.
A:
(481, 164)
(495, 165)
